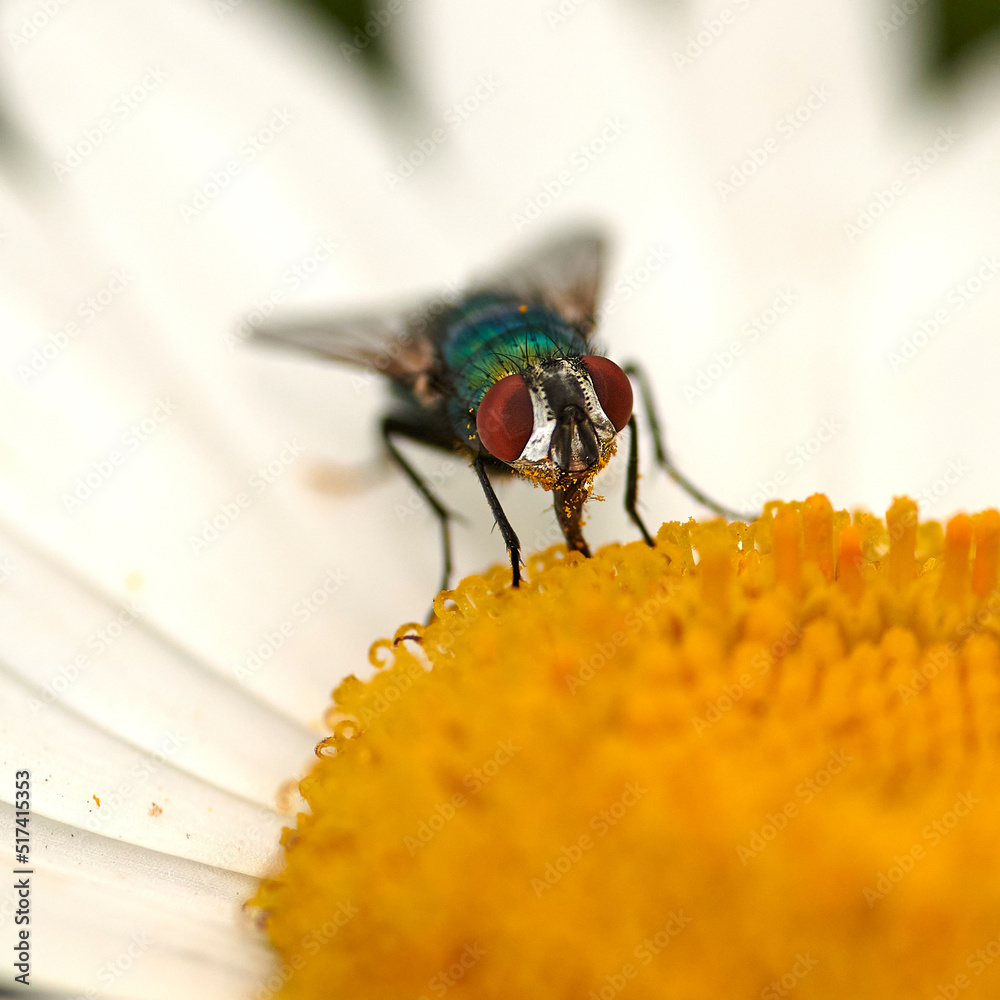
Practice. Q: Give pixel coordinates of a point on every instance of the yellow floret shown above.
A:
(753, 761)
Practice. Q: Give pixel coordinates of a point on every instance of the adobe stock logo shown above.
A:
(31, 24)
(785, 128)
(122, 108)
(89, 309)
(898, 15)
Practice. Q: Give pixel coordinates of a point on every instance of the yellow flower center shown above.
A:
(754, 761)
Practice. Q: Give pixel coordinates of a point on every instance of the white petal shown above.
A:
(84, 777)
(76, 650)
(128, 921)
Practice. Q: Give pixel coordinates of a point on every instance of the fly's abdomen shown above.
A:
(489, 337)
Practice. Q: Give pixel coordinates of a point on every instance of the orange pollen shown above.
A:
(901, 520)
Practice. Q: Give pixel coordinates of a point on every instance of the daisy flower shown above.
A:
(197, 542)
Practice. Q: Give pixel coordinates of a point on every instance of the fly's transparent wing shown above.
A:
(564, 273)
(397, 344)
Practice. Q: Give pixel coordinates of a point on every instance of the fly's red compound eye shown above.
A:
(612, 387)
(506, 418)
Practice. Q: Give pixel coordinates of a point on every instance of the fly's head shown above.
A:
(556, 422)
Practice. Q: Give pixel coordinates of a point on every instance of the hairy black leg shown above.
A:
(569, 510)
(414, 431)
(509, 535)
(632, 480)
(661, 452)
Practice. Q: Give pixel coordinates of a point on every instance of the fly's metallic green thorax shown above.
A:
(490, 336)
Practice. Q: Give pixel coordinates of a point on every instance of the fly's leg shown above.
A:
(506, 530)
(396, 427)
(569, 510)
(661, 453)
(632, 481)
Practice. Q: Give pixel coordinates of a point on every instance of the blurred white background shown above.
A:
(806, 260)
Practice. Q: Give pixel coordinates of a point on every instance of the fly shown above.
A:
(507, 375)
